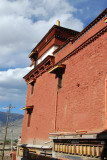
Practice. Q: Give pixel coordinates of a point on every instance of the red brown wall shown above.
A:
(71, 47)
(81, 101)
(43, 115)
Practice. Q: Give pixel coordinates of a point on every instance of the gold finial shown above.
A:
(58, 22)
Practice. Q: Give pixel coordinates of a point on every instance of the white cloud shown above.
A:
(12, 85)
(23, 23)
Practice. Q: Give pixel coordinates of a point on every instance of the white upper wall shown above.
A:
(47, 53)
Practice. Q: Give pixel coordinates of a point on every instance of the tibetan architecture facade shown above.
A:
(66, 105)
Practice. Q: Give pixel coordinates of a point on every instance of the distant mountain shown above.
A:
(13, 117)
(14, 126)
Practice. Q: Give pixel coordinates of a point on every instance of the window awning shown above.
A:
(32, 53)
(33, 80)
(28, 107)
(57, 68)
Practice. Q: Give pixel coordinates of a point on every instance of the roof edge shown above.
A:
(96, 20)
(54, 26)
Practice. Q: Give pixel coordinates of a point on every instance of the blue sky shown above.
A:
(22, 25)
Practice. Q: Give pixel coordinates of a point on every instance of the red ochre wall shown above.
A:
(81, 100)
(43, 115)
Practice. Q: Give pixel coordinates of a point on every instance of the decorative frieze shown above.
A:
(83, 45)
(40, 69)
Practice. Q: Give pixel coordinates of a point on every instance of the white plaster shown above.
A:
(47, 53)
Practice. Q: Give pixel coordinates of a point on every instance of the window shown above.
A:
(59, 70)
(59, 81)
(29, 118)
(32, 87)
(35, 63)
(29, 112)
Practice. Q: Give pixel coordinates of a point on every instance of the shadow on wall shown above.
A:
(103, 136)
(40, 157)
(28, 155)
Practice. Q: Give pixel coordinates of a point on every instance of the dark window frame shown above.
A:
(29, 112)
(60, 78)
(32, 87)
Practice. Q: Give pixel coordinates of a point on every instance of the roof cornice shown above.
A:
(83, 45)
(53, 29)
(103, 14)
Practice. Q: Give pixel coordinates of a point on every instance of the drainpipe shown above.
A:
(56, 107)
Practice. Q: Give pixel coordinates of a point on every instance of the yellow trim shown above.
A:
(34, 150)
(56, 67)
(30, 81)
(32, 54)
(23, 108)
(106, 20)
(20, 151)
(29, 107)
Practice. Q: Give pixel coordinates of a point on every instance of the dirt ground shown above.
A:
(6, 158)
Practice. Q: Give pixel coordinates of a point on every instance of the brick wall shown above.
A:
(44, 100)
(81, 101)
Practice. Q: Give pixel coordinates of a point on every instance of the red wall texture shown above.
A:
(80, 104)
(71, 47)
(44, 100)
